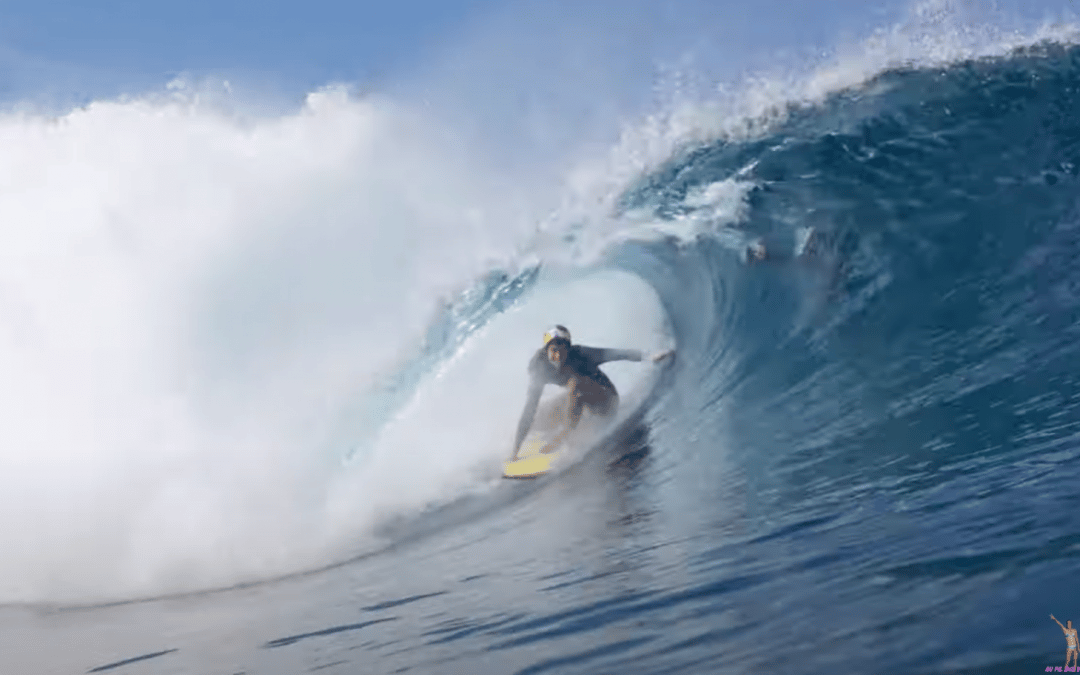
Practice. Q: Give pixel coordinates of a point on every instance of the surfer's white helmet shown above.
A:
(557, 332)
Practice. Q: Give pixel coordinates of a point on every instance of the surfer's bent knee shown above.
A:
(606, 403)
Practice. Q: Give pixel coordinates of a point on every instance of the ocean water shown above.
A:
(260, 378)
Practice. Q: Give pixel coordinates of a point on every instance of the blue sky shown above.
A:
(551, 71)
(79, 49)
(314, 37)
(76, 49)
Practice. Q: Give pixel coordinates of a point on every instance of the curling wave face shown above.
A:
(891, 394)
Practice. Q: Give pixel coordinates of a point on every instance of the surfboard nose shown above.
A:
(532, 460)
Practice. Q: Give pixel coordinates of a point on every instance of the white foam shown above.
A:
(185, 299)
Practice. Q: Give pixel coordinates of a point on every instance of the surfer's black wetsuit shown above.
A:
(581, 362)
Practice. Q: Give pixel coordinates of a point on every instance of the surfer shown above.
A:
(1070, 640)
(575, 367)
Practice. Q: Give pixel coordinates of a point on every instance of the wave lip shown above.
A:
(902, 363)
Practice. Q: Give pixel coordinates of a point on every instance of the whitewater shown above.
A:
(260, 373)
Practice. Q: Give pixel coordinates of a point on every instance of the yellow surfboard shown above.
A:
(531, 462)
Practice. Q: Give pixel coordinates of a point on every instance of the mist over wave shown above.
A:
(187, 299)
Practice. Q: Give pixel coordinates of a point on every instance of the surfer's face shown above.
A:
(556, 354)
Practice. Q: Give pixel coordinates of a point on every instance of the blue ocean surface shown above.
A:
(863, 459)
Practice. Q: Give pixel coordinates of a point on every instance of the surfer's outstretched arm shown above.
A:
(1057, 622)
(600, 355)
(532, 400)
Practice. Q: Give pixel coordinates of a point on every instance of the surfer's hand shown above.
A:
(661, 355)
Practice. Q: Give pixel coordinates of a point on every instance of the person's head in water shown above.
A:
(557, 345)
